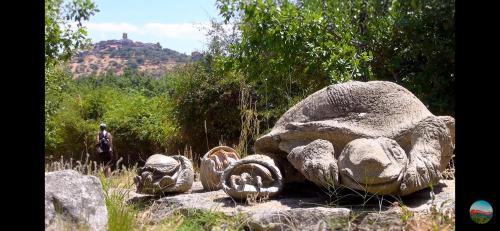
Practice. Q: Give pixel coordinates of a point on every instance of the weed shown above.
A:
(120, 215)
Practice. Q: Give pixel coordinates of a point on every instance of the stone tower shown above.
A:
(124, 36)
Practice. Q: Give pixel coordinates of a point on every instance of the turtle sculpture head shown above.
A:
(373, 136)
(165, 174)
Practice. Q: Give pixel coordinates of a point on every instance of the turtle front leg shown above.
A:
(316, 162)
(166, 182)
(431, 149)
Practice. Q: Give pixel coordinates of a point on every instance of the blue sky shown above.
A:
(482, 205)
(177, 25)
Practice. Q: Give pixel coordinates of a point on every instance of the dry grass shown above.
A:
(449, 172)
(431, 221)
(249, 120)
(123, 179)
(87, 166)
(437, 218)
(62, 223)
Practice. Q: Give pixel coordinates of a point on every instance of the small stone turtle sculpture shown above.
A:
(213, 164)
(165, 174)
(373, 136)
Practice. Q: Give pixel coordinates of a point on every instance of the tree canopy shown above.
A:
(64, 31)
(298, 47)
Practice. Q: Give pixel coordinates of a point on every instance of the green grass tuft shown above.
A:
(121, 217)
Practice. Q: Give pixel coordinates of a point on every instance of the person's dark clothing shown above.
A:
(105, 157)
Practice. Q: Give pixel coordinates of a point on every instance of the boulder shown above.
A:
(75, 198)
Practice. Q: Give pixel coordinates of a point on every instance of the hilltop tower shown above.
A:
(195, 56)
(124, 36)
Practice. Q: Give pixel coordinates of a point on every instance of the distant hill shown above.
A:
(475, 211)
(116, 55)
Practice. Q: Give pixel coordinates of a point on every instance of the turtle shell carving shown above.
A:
(343, 112)
(254, 175)
(213, 164)
(162, 164)
(374, 136)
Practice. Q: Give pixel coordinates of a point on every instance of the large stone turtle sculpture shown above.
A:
(165, 174)
(374, 136)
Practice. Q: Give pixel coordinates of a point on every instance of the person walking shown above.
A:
(105, 149)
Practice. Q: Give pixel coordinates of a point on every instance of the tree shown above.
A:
(418, 51)
(288, 50)
(61, 41)
(205, 106)
(62, 36)
(298, 47)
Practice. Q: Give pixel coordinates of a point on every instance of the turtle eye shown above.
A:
(398, 153)
(395, 152)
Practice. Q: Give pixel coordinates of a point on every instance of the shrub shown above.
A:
(205, 107)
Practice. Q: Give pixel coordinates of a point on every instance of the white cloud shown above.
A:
(176, 31)
(113, 27)
(183, 37)
(158, 30)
